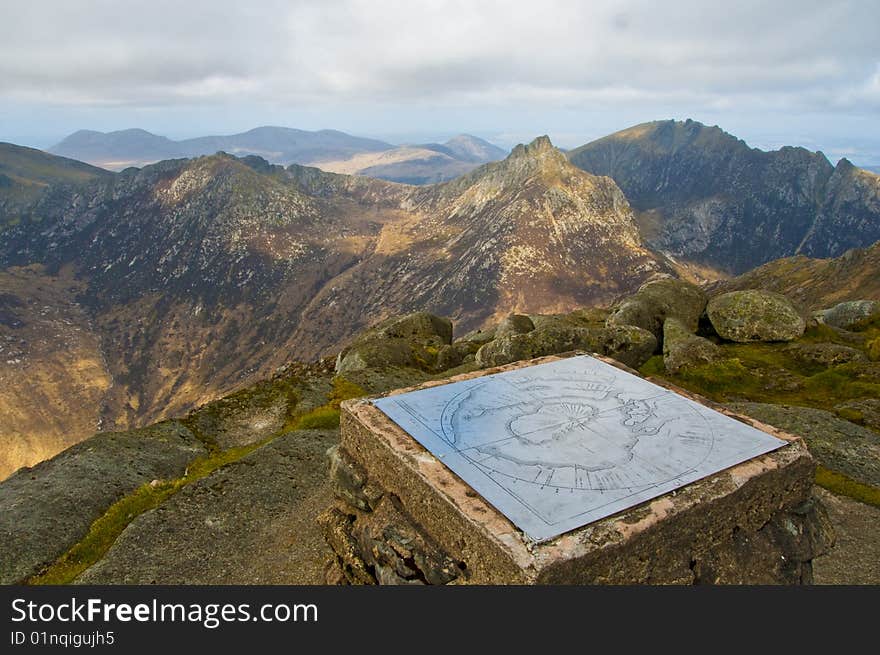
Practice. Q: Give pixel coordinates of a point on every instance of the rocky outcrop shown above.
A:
(682, 349)
(714, 200)
(628, 344)
(837, 444)
(847, 315)
(658, 300)
(755, 316)
(46, 509)
(826, 354)
(865, 411)
(413, 340)
(251, 522)
(514, 324)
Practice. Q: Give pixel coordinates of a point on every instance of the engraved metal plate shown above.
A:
(558, 445)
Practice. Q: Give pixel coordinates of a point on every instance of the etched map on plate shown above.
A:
(558, 445)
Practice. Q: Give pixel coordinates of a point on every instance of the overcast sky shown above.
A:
(798, 72)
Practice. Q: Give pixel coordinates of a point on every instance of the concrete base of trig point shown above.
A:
(402, 517)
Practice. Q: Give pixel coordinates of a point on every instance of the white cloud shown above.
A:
(605, 52)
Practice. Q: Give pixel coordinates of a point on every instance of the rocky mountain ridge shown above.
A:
(704, 196)
(199, 276)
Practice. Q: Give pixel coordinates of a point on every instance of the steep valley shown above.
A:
(196, 277)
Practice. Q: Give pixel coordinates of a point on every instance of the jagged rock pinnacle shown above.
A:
(541, 144)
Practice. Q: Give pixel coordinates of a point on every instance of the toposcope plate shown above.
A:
(556, 446)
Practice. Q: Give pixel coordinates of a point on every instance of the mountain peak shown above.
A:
(538, 146)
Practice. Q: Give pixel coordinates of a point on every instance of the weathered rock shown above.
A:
(390, 545)
(422, 327)
(865, 412)
(46, 509)
(454, 355)
(376, 352)
(478, 337)
(856, 553)
(837, 444)
(628, 344)
(682, 349)
(755, 315)
(826, 354)
(847, 315)
(250, 522)
(412, 340)
(657, 300)
(514, 324)
(591, 317)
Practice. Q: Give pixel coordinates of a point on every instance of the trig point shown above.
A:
(566, 470)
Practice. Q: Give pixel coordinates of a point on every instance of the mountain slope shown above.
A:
(420, 164)
(25, 173)
(281, 145)
(530, 234)
(816, 283)
(706, 197)
(191, 276)
(196, 277)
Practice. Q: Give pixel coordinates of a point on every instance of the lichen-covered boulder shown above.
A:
(682, 349)
(628, 344)
(847, 315)
(376, 353)
(658, 300)
(755, 315)
(422, 327)
(825, 354)
(412, 340)
(514, 324)
(455, 354)
(479, 337)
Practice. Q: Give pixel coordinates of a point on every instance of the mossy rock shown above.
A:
(46, 509)
(420, 327)
(849, 315)
(376, 353)
(658, 300)
(455, 354)
(514, 324)
(681, 349)
(825, 354)
(592, 317)
(755, 315)
(413, 341)
(628, 344)
(837, 444)
(478, 337)
(865, 411)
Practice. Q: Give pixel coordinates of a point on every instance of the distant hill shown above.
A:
(278, 145)
(25, 173)
(704, 196)
(420, 164)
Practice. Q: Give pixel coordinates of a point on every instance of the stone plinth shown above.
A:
(402, 517)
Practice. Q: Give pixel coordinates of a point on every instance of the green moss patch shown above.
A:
(105, 530)
(326, 417)
(846, 486)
